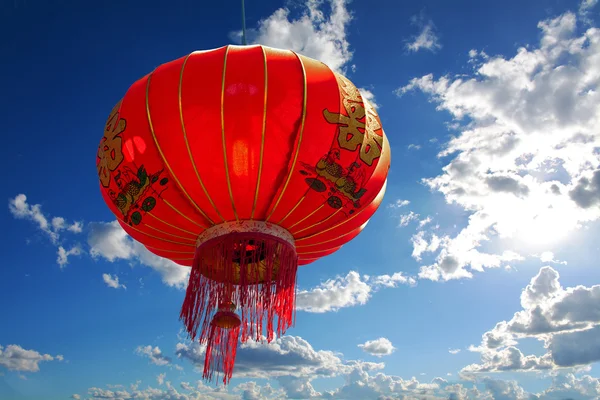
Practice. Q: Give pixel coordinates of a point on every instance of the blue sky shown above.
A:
(474, 280)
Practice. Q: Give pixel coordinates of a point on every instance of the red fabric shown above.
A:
(180, 208)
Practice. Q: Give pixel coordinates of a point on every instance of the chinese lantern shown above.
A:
(242, 163)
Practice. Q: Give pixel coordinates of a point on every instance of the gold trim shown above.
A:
(308, 259)
(152, 236)
(182, 214)
(187, 145)
(223, 135)
(319, 251)
(264, 127)
(335, 226)
(181, 259)
(171, 225)
(167, 233)
(160, 150)
(170, 251)
(319, 223)
(294, 208)
(308, 216)
(326, 241)
(299, 139)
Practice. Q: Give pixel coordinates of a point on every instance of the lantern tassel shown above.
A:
(222, 343)
(253, 270)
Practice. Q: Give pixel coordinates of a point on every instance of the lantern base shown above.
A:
(252, 264)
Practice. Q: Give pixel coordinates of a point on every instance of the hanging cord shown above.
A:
(243, 24)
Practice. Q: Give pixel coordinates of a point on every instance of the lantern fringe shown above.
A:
(222, 345)
(261, 282)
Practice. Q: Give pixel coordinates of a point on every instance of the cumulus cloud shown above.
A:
(347, 291)
(524, 163)
(312, 34)
(427, 38)
(567, 321)
(406, 219)
(15, 358)
(111, 242)
(112, 281)
(154, 354)
(20, 208)
(63, 255)
(378, 347)
(399, 203)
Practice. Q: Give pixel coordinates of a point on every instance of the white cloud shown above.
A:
(155, 355)
(160, 378)
(425, 221)
(347, 291)
(312, 34)
(111, 242)
(15, 358)
(567, 321)
(378, 347)
(414, 146)
(427, 38)
(406, 219)
(454, 351)
(76, 396)
(548, 257)
(399, 203)
(63, 255)
(368, 95)
(112, 281)
(525, 160)
(20, 208)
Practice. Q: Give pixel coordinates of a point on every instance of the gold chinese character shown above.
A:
(359, 126)
(110, 152)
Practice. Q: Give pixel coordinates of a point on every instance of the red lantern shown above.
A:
(242, 162)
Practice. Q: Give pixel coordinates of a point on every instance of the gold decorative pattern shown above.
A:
(162, 154)
(187, 145)
(110, 149)
(246, 226)
(360, 117)
(287, 181)
(264, 127)
(223, 135)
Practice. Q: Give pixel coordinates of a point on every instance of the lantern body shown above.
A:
(243, 136)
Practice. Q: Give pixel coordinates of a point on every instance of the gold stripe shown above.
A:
(294, 208)
(318, 251)
(308, 259)
(335, 226)
(223, 134)
(264, 127)
(299, 139)
(308, 216)
(154, 237)
(182, 214)
(326, 241)
(171, 225)
(170, 251)
(187, 145)
(170, 234)
(160, 150)
(318, 223)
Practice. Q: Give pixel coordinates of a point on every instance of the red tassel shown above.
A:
(254, 270)
(222, 343)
